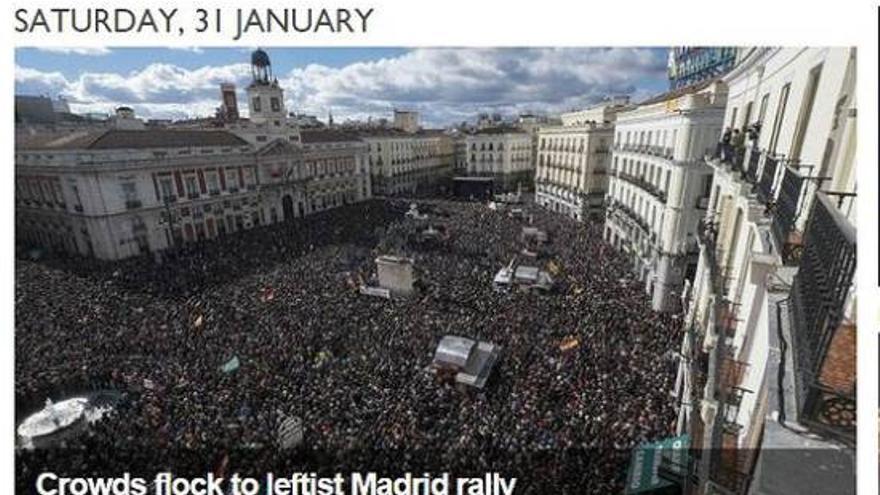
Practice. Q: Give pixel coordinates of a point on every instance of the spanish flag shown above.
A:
(569, 343)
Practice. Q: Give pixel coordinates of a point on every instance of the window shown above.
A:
(191, 187)
(733, 118)
(248, 176)
(45, 191)
(746, 117)
(166, 187)
(256, 104)
(56, 192)
(762, 112)
(213, 182)
(805, 112)
(780, 116)
(707, 186)
(275, 103)
(129, 191)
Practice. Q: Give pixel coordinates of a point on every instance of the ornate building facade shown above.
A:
(121, 192)
(404, 163)
(503, 153)
(768, 359)
(659, 185)
(573, 162)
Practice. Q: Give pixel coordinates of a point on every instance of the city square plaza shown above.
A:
(219, 344)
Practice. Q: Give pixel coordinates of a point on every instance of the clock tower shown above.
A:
(265, 96)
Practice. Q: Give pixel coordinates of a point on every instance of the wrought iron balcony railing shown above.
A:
(641, 183)
(752, 168)
(629, 214)
(785, 213)
(818, 302)
(768, 177)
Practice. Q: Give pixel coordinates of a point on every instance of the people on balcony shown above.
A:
(739, 140)
(753, 132)
(725, 149)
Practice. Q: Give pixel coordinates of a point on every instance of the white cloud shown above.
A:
(81, 50)
(192, 49)
(445, 85)
(454, 84)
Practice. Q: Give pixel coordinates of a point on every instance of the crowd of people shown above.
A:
(585, 373)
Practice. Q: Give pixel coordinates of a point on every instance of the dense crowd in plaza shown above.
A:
(585, 373)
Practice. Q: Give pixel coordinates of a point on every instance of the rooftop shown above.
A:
(393, 132)
(500, 130)
(675, 93)
(316, 136)
(130, 139)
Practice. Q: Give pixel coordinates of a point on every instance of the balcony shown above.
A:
(641, 183)
(823, 338)
(727, 155)
(630, 215)
(699, 364)
(664, 152)
(752, 169)
(768, 178)
(785, 212)
(707, 234)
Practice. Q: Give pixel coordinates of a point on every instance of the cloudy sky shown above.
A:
(447, 85)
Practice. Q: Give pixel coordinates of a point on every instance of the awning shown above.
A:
(658, 466)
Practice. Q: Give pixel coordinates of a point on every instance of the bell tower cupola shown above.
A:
(265, 96)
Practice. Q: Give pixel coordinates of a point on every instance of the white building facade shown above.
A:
(406, 120)
(503, 153)
(659, 186)
(769, 348)
(459, 146)
(116, 194)
(404, 163)
(126, 191)
(573, 162)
